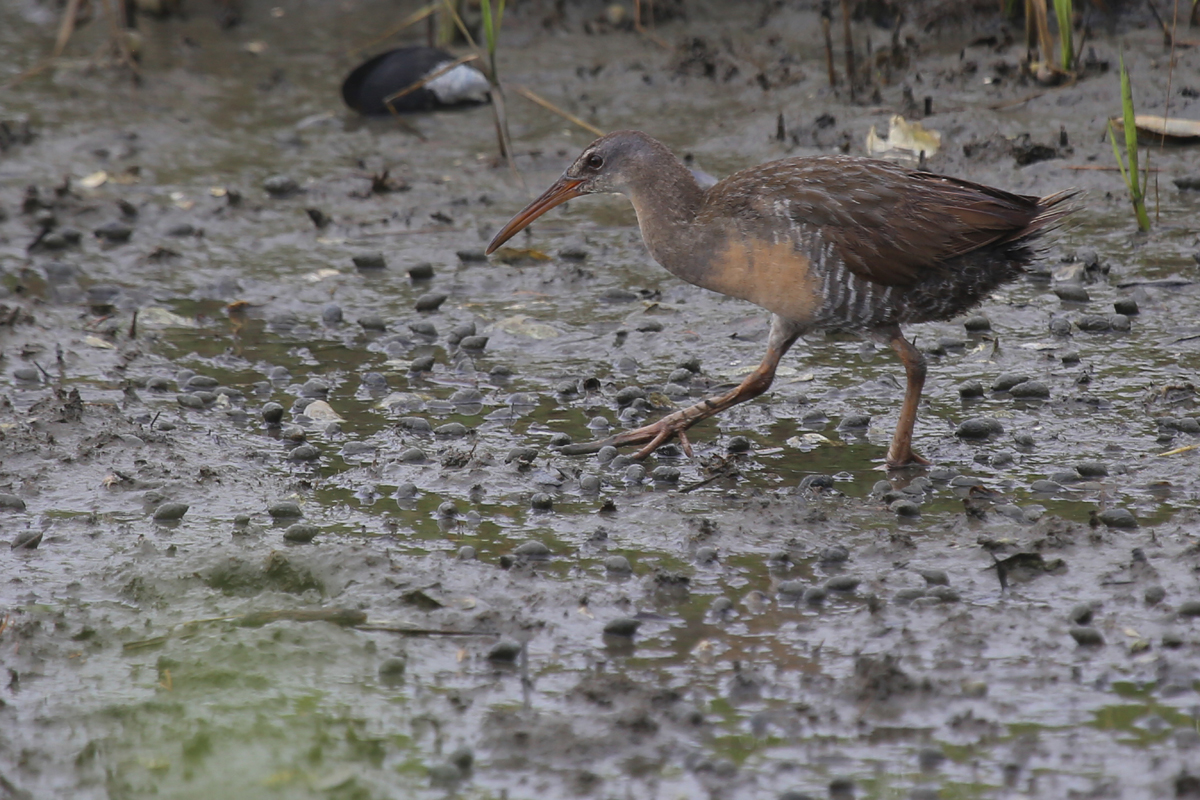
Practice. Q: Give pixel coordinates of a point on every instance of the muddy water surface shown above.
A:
(792, 634)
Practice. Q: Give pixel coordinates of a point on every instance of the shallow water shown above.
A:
(128, 673)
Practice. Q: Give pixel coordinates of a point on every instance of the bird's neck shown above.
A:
(667, 200)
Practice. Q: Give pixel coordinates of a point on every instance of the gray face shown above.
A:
(607, 162)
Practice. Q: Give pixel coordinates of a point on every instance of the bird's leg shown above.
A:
(900, 453)
(783, 335)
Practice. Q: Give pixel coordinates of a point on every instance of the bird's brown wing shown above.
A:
(887, 223)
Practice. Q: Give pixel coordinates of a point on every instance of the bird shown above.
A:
(822, 242)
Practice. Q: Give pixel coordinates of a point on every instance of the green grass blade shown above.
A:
(1112, 138)
(1065, 13)
(489, 31)
(1136, 194)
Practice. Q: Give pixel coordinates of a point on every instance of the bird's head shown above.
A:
(608, 164)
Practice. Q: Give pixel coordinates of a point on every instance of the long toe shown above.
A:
(911, 460)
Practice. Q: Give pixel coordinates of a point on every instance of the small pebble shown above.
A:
(421, 272)
(624, 627)
(607, 453)
(1060, 326)
(946, 594)
(1127, 307)
(1118, 518)
(190, 401)
(284, 509)
(1189, 608)
(979, 428)
(934, 577)
(197, 382)
(589, 484)
(305, 452)
(635, 473)
(1155, 595)
(314, 387)
(1030, 390)
(1094, 323)
(906, 596)
(423, 328)
(532, 549)
(1072, 293)
(854, 421)
(1086, 637)
(970, 389)
(627, 395)
(618, 565)
(818, 482)
(1008, 380)
(665, 474)
(332, 315)
(431, 301)
(906, 508)
(451, 430)
(842, 583)
(524, 455)
(422, 364)
(504, 652)
(792, 588)
(412, 455)
(114, 232)
(392, 670)
(1081, 614)
(977, 324)
(372, 322)
(541, 502)
(1003, 458)
(471, 256)
(447, 509)
(965, 481)
(573, 253)
(721, 606)
(26, 540)
(706, 555)
(460, 332)
(301, 532)
(466, 553)
(463, 758)
(169, 512)
(738, 444)
(370, 261)
(280, 185)
(474, 343)
(834, 554)
(814, 595)
(1046, 487)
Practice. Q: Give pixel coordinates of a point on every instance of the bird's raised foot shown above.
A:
(653, 436)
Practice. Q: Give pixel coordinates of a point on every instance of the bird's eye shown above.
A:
(595, 161)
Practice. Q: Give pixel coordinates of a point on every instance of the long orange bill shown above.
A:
(563, 190)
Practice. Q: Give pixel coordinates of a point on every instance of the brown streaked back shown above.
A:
(889, 224)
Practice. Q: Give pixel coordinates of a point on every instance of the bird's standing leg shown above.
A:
(783, 335)
(900, 453)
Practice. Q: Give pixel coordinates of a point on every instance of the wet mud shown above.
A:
(279, 462)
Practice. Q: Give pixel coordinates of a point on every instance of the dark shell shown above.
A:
(366, 88)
